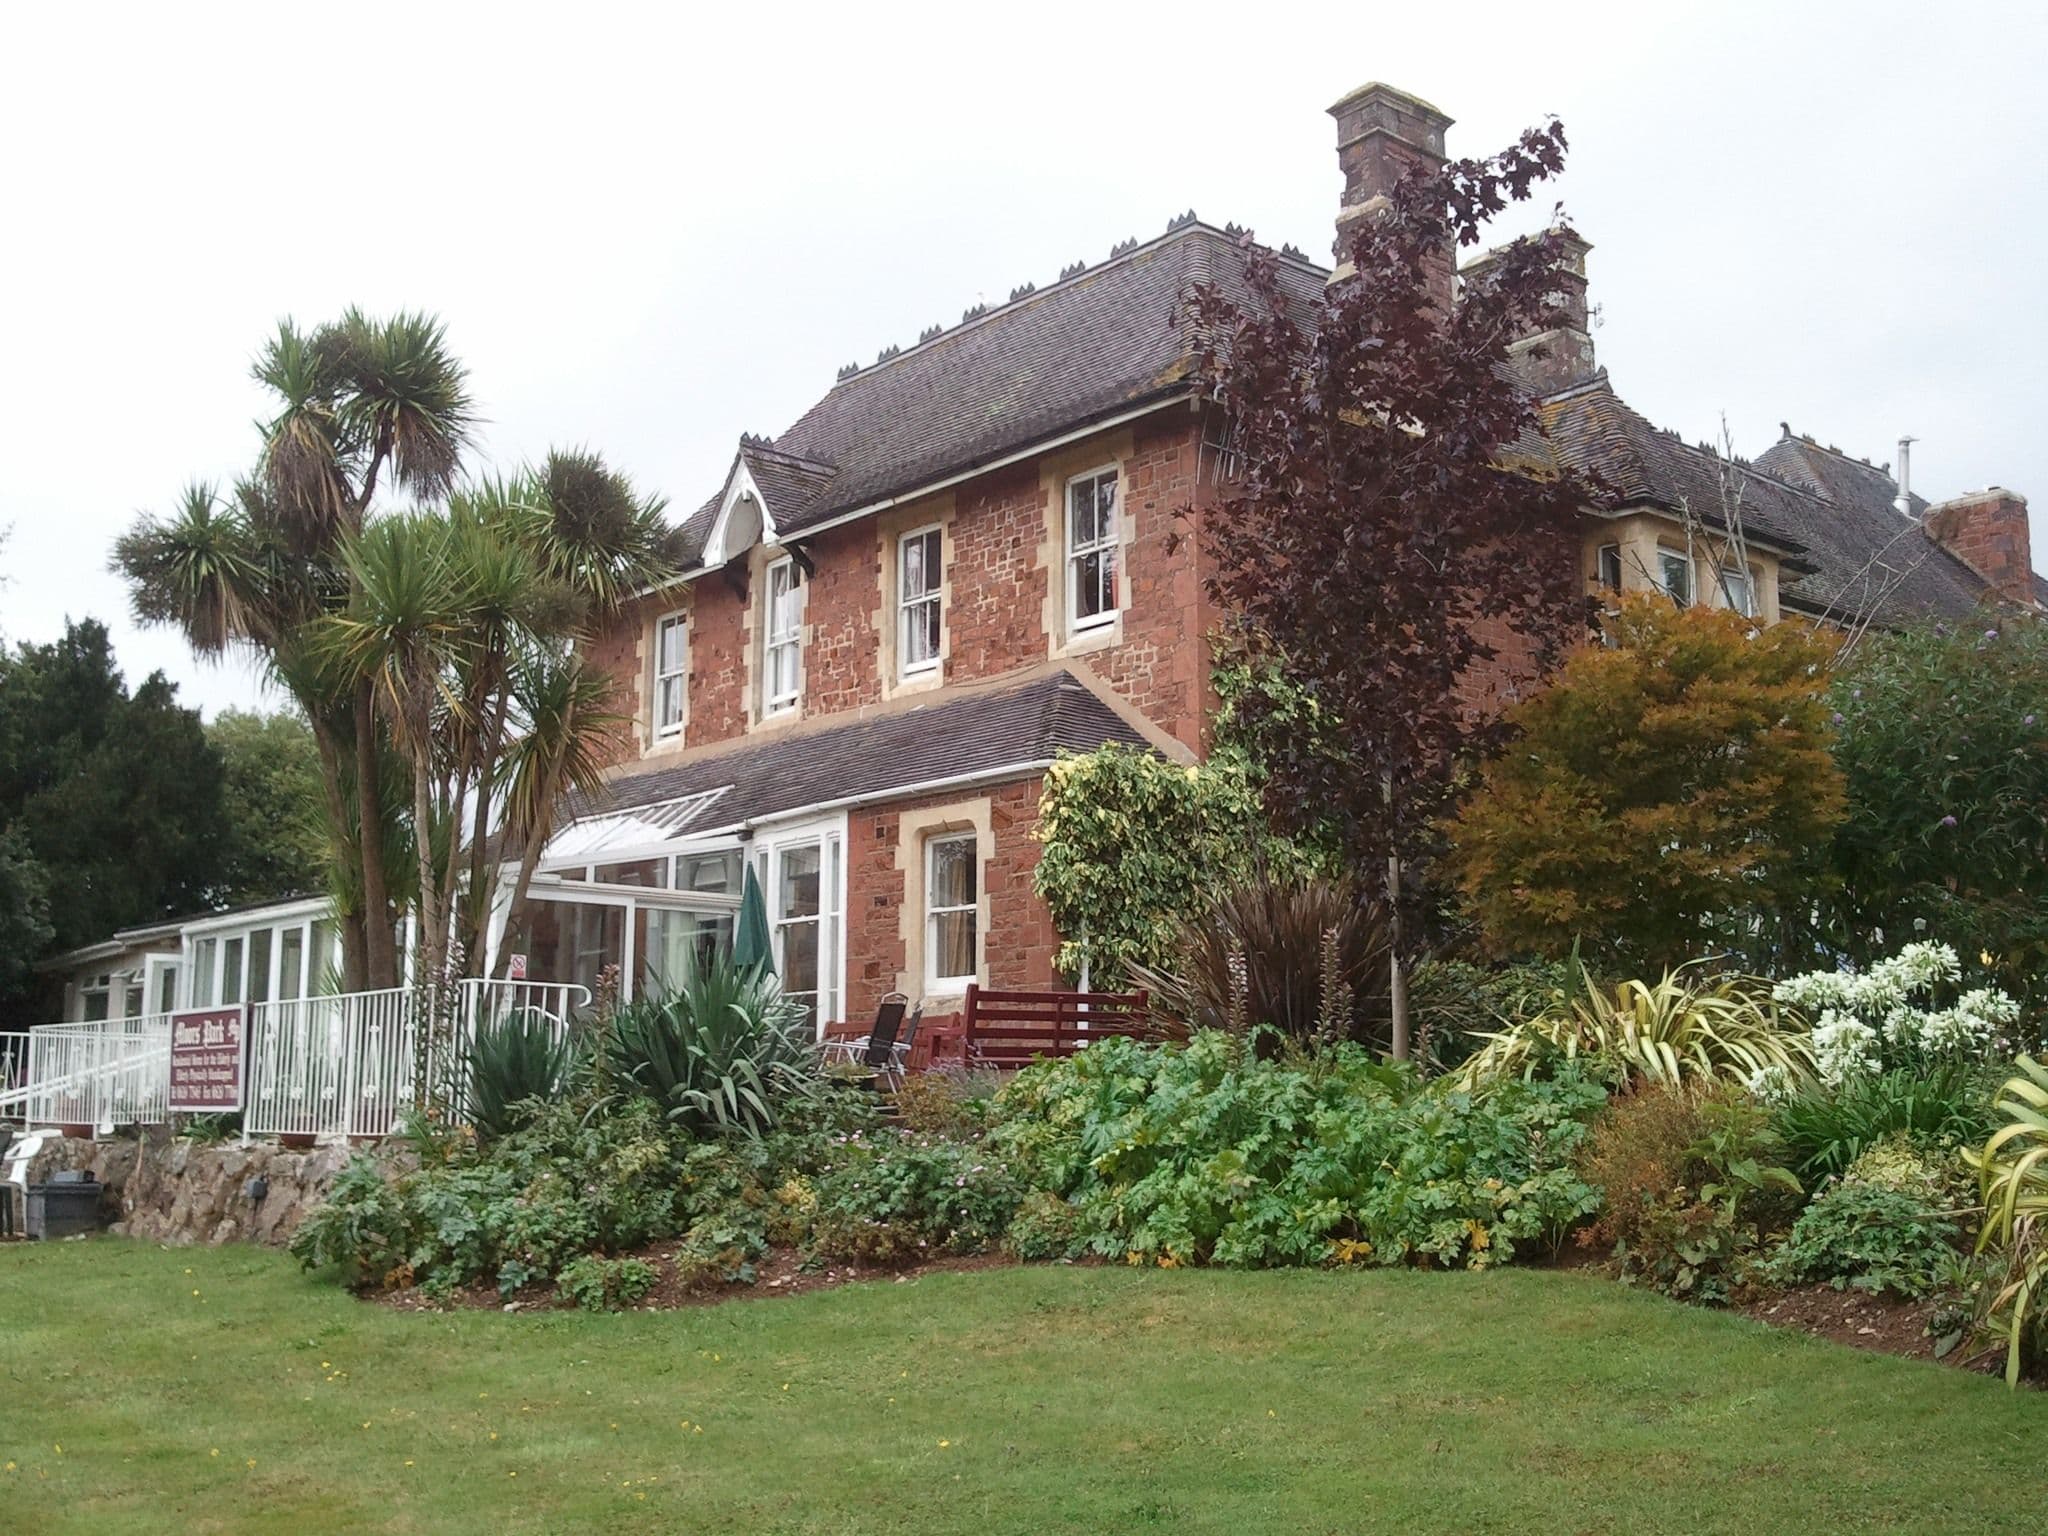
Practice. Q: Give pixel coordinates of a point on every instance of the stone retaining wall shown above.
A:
(171, 1191)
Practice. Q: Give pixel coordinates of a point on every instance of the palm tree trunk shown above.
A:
(529, 855)
(477, 926)
(380, 953)
(341, 847)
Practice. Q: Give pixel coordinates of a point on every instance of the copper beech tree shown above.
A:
(1385, 510)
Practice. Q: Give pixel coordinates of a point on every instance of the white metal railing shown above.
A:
(103, 1074)
(13, 1074)
(322, 1067)
(344, 1065)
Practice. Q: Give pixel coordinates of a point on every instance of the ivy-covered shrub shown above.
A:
(570, 1183)
(1691, 1183)
(895, 1193)
(1133, 843)
(1206, 1154)
(598, 1284)
(1869, 1237)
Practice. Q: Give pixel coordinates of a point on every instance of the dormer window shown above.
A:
(782, 648)
(671, 676)
(1091, 549)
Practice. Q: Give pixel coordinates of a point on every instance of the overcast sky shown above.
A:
(650, 232)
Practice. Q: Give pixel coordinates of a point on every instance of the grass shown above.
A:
(146, 1389)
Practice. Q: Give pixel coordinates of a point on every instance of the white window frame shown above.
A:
(1109, 544)
(665, 730)
(774, 640)
(1606, 553)
(1747, 577)
(909, 605)
(934, 982)
(1665, 557)
(828, 836)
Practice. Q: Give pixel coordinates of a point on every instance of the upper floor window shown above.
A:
(1674, 575)
(670, 675)
(918, 570)
(1091, 549)
(1610, 567)
(782, 678)
(1738, 590)
(949, 903)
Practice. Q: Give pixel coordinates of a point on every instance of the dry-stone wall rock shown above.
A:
(173, 1191)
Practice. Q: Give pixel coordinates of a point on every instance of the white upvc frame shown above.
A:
(1607, 567)
(1667, 561)
(911, 606)
(933, 979)
(777, 640)
(1745, 580)
(771, 850)
(1105, 545)
(669, 669)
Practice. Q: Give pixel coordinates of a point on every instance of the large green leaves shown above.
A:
(2013, 1169)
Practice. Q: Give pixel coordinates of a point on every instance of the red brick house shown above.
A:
(965, 559)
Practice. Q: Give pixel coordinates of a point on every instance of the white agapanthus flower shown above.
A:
(1770, 1085)
(1897, 993)
(1843, 1045)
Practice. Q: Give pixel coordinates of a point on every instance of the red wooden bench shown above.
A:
(1009, 1029)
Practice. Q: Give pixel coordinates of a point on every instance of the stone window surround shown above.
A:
(658, 735)
(891, 527)
(914, 832)
(753, 637)
(1055, 471)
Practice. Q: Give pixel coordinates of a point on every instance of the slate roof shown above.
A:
(1849, 548)
(1025, 723)
(1093, 345)
(1115, 337)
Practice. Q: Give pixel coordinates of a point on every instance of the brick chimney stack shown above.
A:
(1382, 133)
(1987, 531)
(1566, 343)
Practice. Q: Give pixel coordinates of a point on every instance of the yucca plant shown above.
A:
(2012, 1170)
(1685, 1028)
(722, 1053)
(514, 1063)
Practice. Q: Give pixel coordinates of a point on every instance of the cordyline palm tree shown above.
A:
(362, 402)
(433, 651)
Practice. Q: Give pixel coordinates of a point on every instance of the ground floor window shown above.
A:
(950, 896)
(802, 877)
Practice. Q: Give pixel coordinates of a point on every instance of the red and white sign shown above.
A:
(515, 968)
(209, 1055)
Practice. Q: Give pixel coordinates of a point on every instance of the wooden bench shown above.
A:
(1010, 1029)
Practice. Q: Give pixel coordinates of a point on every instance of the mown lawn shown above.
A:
(144, 1389)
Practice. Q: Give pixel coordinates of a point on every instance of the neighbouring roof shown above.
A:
(1101, 341)
(1025, 724)
(1849, 548)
